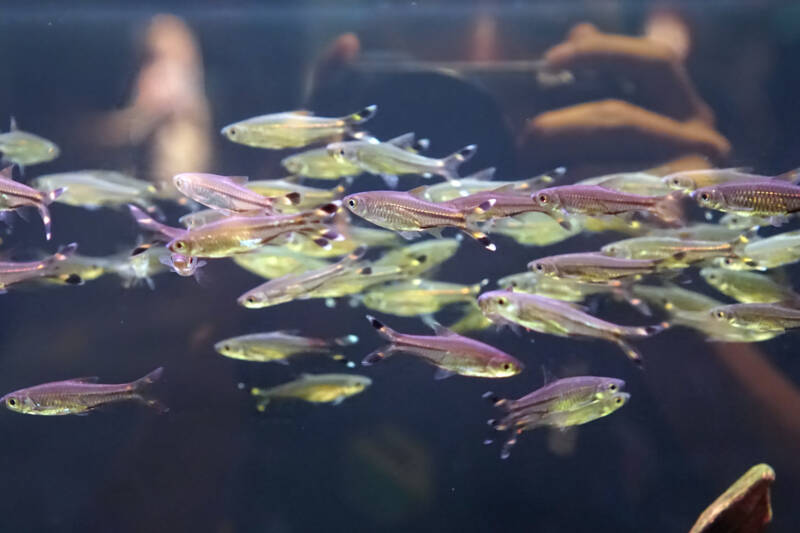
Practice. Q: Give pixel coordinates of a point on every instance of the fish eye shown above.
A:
(543, 198)
(538, 266)
(180, 245)
(513, 283)
(250, 299)
(720, 314)
(612, 387)
(502, 300)
(704, 196)
(227, 347)
(232, 131)
(352, 202)
(341, 151)
(507, 366)
(11, 402)
(618, 401)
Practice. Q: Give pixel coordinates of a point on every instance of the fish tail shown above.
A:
(482, 238)
(453, 161)
(264, 398)
(142, 387)
(359, 117)
(631, 352)
(64, 252)
(645, 331)
(148, 223)
(327, 211)
(44, 212)
(354, 256)
(669, 208)
(378, 355)
(292, 198)
(496, 400)
(476, 288)
(383, 330)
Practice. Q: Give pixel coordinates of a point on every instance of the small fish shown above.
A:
(419, 297)
(77, 269)
(593, 267)
(534, 229)
(420, 257)
(764, 198)
(748, 287)
(489, 205)
(183, 265)
(138, 266)
(17, 272)
(735, 221)
(640, 183)
(482, 181)
(716, 330)
(745, 507)
(93, 189)
(390, 161)
(81, 396)
(314, 388)
(307, 197)
(316, 163)
(566, 289)
(472, 320)
(162, 231)
(449, 352)
(675, 251)
(298, 286)
(688, 181)
(532, 418)
(358, 280)
(228, 193)
(294, 129)
(702, 232)
(272, 262)
(201, 218)
(562, 319)
(241, 234)
(407, 214)
(758, 317)
(563, 201)
(279, 346)
(674, 299)
(24, 149)
(763, 254)
(14, 195)
(351, 237)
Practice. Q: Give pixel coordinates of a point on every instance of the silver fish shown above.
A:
(14, 195)
(17, 272)
(23, 148)
(228, 193)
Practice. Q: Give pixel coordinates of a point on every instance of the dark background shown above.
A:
(406, 455)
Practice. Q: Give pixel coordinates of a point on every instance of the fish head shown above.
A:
(182, 265)
(616, 250)
(614, 402)
(721, 314)
(251, 300)
(543, 267)
(357, 203)
(496, 303)
(295, 165)
(709, 197)
(235, 132)
(712, 276)
(357, 384)
(181, 182)
(516, 282)
(608, 387)
(679, 183)
(180, 246)
(503, 367)
(229, 348)
(547, 199)
(19, 402)
(734, 263)
(342, 152)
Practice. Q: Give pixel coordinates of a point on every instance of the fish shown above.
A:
(24, 149)
(183, 265)
(565, 200)
(675, 251)
(674, 299)
(12, 273)
(449, 352)
(279, 346)
(201, 218)
(351, 237)
(764, 254)
(563, 319)
(93, 189)
(532, 417)
(272, 262)
(294, 129)
(420, 257)
(82, 395)
(138, 266)
(307, 197)
(533, 229)
(594, 267)
(492, 204)
(298, 286)
(316, 163)
(241, 234)
(563, 394)
(735, 221)
(359, 280)
(390, 161)
(408, 214)
(745, 506)
(419, 296)
(314, 388)
(162, 231)
(758, 317)
(703, 232)
(714, 330)
(748, 287)
(14, 195)
(473, 319)
(641, 183)
(689, 181)
(76, 269)
(764, 198)
(482, 181)
(228, 193)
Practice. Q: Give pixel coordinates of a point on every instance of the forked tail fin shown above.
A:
(142, 387)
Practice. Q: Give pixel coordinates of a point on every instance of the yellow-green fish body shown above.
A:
(758, 317)
(419, 257)
(534, 229)
(762, 198)
(93, 189)
(672, 250)
(17, 272)
(418, 296)
(593, 267)
(763, 254)
(277, 346)
(310, 197)
(23, 148)
(293, 129)
(275, 261)
(356, 281)
(716, 330)
(473, 319)
(748, 287)
(482, 181)
(640, 183)
(314, 388)
(564, 289)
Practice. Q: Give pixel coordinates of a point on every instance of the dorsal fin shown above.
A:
(238, 180)
(441, 330)
(301, 112)
(402, 141)
(12, 124)
(8, 172)
(419, 192)
(547, 376)
(88, 379)
(487, 174)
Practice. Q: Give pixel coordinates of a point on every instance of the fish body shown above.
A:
(763, 254)
(275, 261)
(702, 232)
(14, 195)
(472, 320)
(17, 272)
(358, 280)
(594, 200)
(314, 388)
(308, 197)
(592, 267)
(228, 193)
(674, 299)
(564, 289)
(748, 287)
(240, 234)
(573, 417)
(449, 352)
(640, 183)
(534, 229)
(564, 394)
(554, 317)
(678, 252)
(277, 346)
(81, 395)
(404, 212)
(93, 189)
(418, 296)
(196, 219)
(294, 129)
(391, 161)
(758, 317)
(715, 330)
(769, 198)
(688, 181)
(482, 181)
(24, 149)
(487, 205)
(297, 286)
(419, 257)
